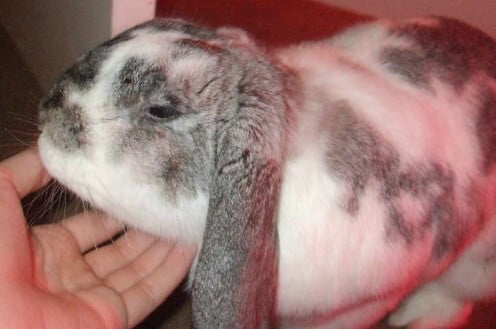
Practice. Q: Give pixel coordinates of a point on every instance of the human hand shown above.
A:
(51, 276)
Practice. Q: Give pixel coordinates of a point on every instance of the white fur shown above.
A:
(332, 264)
(117, 187)
(313, 227)
(131, 199)
(313, 230)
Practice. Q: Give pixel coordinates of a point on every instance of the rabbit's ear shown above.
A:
(236, 276)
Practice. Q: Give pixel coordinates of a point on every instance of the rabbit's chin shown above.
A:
(136, 203)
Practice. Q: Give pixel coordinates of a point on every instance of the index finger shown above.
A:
(25, 171)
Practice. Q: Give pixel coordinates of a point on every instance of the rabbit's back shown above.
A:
(395, 144)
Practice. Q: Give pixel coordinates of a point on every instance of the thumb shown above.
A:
(19, 175)
(15, 252)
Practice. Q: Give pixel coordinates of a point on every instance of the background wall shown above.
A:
(50, 34)
(480, 13)
(127, 13)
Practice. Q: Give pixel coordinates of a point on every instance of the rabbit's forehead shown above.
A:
(150, 45)
(149, 49)
(144, 56)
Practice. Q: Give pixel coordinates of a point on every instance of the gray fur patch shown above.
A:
(408, 63)
(355, 154)
(178, 161)
(137, 80)
(65, 127)
(55, 98)
(450, 51)
(359, 156)
(83, 73)
(188, 47)
(486, 129)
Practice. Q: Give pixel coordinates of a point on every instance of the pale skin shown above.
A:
(51, 276)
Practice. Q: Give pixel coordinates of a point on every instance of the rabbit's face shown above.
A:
(130, 126)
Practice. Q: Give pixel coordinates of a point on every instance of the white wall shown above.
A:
(127, 13)
(50, 34)
(480, 13)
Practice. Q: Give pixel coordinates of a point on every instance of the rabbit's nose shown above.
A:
(64, 126)
(54, 100)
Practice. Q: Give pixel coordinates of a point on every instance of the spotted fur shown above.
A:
(328, 184)
(442, 50)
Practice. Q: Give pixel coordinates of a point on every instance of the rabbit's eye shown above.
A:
(162, 112)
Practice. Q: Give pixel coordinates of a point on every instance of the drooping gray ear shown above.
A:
(236, 276)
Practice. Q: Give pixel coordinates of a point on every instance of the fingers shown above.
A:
(19, 176)
(25, 172)
(149, 292)
(143, 269)
(14, 247)
(118, 254)
(125, 277)
(90, 229)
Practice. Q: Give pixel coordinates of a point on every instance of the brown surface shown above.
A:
(275, 23)
(19, 95)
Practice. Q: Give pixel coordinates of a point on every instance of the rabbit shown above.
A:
(328, 184)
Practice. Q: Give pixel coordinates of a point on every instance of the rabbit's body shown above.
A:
(383, 139)
(382, 186)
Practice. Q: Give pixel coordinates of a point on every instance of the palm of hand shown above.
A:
(53, 277)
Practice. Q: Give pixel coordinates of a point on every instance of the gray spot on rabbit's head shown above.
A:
(360, 157)
(83, 73)
(55, 98)
(181, 161)
(137, 79)
(450, 51)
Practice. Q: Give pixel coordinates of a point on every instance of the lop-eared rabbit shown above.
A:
(328, 184)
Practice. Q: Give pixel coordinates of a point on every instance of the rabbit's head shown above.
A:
(137, 125)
